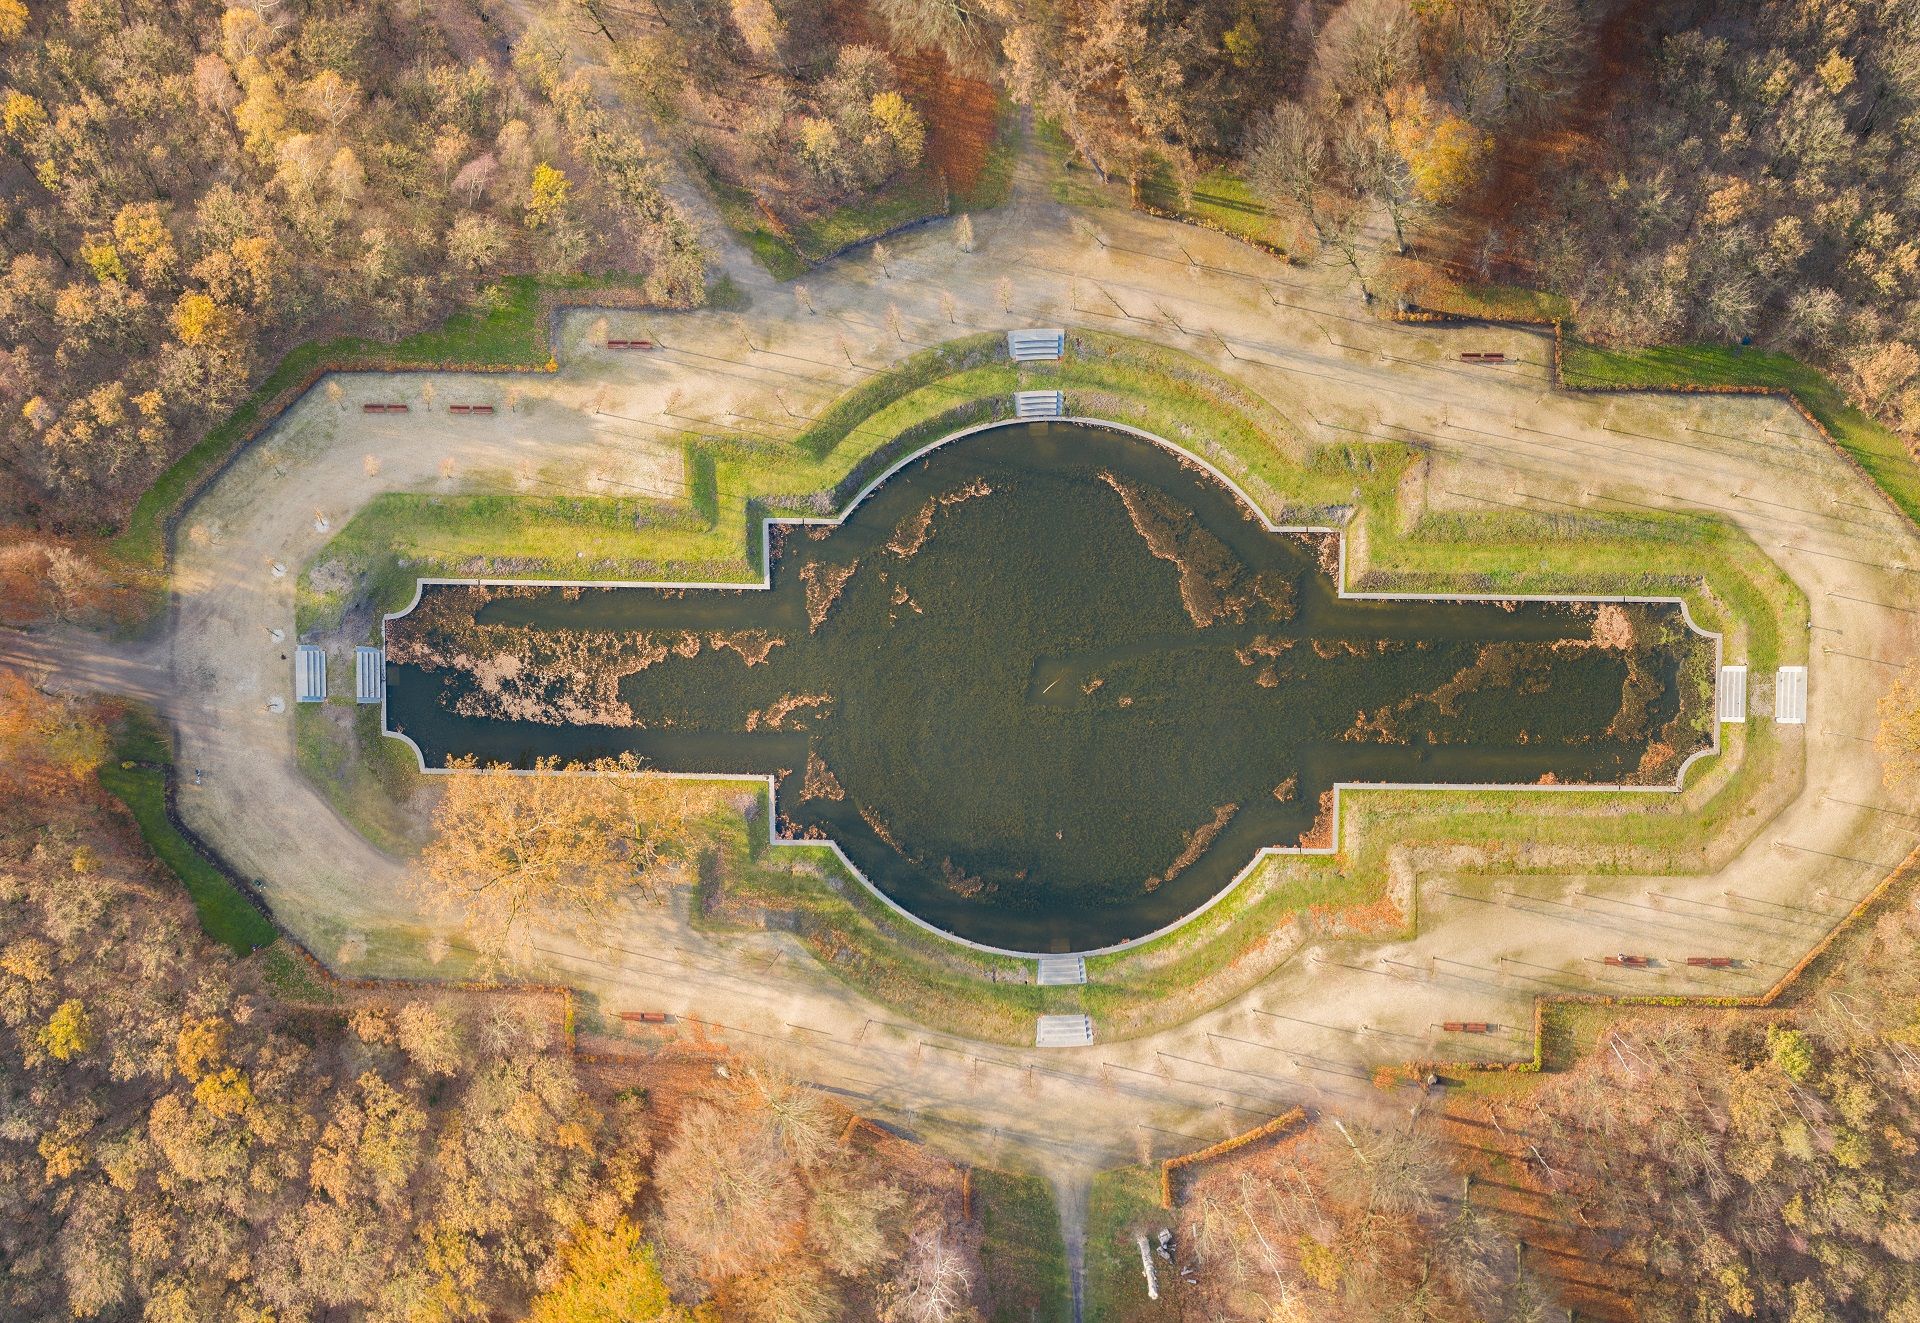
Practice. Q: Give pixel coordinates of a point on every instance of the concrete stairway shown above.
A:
(1039, 404)
(1063, 1031)
(1036, 346)
(1059, 970)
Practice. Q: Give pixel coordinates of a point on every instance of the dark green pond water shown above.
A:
(1050, 687)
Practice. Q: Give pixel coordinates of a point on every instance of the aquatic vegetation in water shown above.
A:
(1053, 687)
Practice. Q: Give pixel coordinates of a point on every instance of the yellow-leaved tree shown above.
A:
(608, 1275)
(1899, 736)
(571, 837)
(546, 196)
(1445, 155)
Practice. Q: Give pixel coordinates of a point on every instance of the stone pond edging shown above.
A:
(775, 838)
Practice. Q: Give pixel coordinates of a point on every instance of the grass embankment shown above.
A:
(1020, 1246)
(1124, 1202)
(370, 780)
(137, 777)
(1727, 582)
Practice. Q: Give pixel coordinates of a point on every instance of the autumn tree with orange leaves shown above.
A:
(569, 837)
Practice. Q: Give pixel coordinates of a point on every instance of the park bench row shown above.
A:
(628, 344)
(645, 1017)
(1643, 962)
(1491, 356)
(404, 408)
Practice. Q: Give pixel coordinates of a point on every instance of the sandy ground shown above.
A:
(1499, 436)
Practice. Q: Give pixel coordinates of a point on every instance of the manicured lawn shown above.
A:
(1500, 302)
(916, 195)
(1220, 200)
(1026, 1261)
(1124, 1202)
(136, 777)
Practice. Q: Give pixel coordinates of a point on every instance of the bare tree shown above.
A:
(957, 29)
(936, 1279)
(729, 1196)
(1288, 162)
(1518, 54)
(1368, 48)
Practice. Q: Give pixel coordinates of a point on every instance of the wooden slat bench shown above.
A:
(644, 1017)
(1710, 962)
(1467, 1027)
(383, 408)
(628, 344)
(469, 408)
(1629, 961)
(1491, 356)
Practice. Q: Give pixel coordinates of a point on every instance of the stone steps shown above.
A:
(1039, 404)
(1063, 1031)
(1061, 970)
(1732, 694)
(1790, 696)
(1036, 346)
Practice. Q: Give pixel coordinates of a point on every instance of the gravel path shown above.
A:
(1497, 438)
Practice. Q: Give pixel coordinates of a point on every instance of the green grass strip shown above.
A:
(1020, 1244)
(138, 779)
(1122, 1200)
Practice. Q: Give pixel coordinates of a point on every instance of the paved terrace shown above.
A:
(1501, 438)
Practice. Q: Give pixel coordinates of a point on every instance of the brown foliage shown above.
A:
(563, 838)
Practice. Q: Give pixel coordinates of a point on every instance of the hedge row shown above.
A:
(1285, 1121)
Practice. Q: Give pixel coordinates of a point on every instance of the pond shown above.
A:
(1052, 687)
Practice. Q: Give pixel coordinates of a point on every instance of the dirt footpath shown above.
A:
(1499, 438)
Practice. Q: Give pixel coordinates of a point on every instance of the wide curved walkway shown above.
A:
(1498, 437)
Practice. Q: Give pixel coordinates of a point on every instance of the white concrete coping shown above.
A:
(1340, 590)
